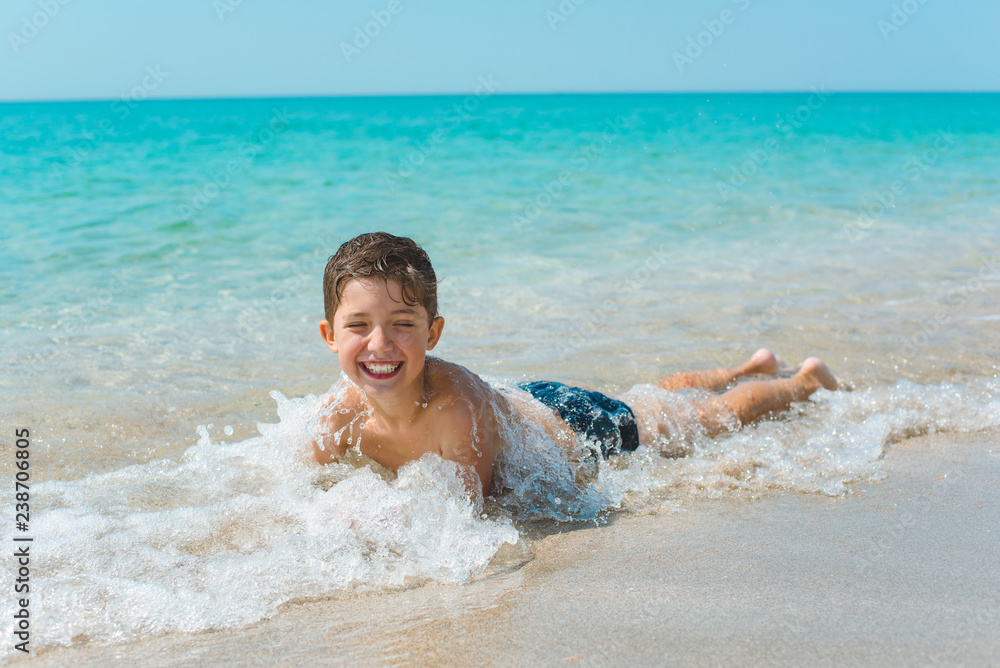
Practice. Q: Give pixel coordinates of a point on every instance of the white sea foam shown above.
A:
(231, 531)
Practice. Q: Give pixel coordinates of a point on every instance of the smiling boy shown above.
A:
(381, 319)
(380, 296)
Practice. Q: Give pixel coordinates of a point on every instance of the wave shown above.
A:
(230, 532)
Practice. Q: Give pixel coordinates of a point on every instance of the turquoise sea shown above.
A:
(162, 261)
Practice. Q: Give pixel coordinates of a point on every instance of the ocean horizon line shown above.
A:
(359, 96)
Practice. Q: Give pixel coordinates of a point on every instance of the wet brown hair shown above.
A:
(381, 255)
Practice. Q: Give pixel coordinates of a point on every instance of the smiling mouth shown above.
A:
(380, 370)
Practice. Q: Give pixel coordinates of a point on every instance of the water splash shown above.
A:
(231, 531)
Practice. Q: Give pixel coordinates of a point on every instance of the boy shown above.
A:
(380, 296)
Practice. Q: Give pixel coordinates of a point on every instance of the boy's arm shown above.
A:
(323, 449)
(333, 425)
(467, 437)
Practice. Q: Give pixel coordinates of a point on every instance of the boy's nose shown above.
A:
(378, 340)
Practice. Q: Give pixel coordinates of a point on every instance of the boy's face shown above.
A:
(380, 340)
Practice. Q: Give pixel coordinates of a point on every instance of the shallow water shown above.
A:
(229, 532)
(147, 315)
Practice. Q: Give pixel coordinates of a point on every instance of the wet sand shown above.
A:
(905, 571)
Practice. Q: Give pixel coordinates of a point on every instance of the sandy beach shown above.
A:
(905, 571)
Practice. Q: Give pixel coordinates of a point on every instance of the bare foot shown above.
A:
(814, 369)
(763, 362)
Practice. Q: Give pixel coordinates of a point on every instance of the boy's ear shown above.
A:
(326, 331)
(434, 334)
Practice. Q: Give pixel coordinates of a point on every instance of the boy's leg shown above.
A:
(761, 362)
(748, 402)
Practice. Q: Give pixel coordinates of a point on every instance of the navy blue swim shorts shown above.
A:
(607, 421)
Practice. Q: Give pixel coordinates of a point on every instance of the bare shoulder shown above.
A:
(458, 393)
(462, 407)
(340, 411)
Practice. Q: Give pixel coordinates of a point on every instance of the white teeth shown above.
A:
(381, 369)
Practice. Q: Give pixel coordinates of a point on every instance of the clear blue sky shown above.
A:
(102, 48)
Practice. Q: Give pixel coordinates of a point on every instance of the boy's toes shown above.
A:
(814, 368)
(765, 362)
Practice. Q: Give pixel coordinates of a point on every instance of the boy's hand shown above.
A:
(335, 425)
(323, 453)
